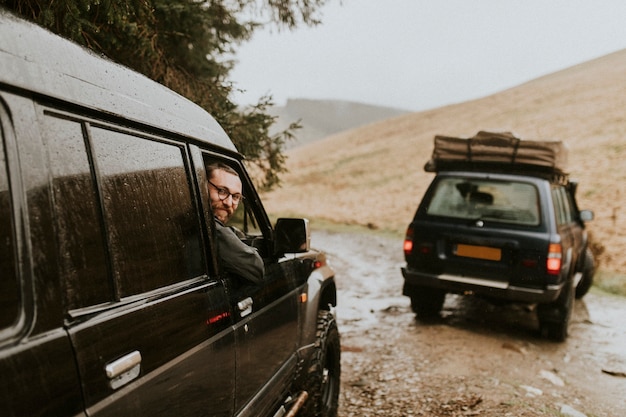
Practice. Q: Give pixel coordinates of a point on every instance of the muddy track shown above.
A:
(477, 359)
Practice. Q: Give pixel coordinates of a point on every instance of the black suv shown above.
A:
(499, 220)
(113, 300)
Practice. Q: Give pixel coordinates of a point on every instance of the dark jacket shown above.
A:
(236, 257)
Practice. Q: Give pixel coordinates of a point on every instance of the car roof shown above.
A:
(36, 60)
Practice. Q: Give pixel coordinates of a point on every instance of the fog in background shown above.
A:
(419, 54)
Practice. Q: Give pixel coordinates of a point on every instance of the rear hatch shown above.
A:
(482, 230)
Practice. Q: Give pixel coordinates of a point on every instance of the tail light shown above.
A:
(408, 241)
(553, 262)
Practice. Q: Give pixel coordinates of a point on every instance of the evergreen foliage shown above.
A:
(185, 45)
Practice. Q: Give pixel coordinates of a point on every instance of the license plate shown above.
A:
(478, 252)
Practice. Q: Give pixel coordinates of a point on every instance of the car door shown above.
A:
(265, 315)
(149, 323)
(38, 374)
(266, 335)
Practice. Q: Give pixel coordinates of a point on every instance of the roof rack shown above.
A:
(553, 175)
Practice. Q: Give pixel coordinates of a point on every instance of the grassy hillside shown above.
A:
(373, 176)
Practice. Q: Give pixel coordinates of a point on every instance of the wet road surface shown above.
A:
(484, 345)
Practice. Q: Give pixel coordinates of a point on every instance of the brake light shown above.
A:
(553, 263)
(408, 241)
(408, 246)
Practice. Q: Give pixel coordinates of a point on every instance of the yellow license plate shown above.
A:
(479, 252)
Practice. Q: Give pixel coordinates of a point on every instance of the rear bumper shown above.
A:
(459, 284)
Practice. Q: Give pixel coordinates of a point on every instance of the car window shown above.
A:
(572, 213)
(78, 221)
(563, 206)
(243, 218)
(9, 280)
(151, 220)
(498, 201)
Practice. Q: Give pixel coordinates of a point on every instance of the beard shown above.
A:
(223, 213)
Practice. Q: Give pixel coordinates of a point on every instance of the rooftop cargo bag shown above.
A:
(502, 150)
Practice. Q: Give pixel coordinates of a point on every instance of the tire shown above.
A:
(588, 271)
(426, 302)
(554, 318)
(324, 374)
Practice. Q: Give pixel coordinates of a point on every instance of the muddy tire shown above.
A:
(323, 379)
(426, 303)
(554, 318)
(588, 270)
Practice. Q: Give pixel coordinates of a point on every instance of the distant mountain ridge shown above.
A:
(322, 118)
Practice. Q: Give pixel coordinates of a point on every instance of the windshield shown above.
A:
(498, 201)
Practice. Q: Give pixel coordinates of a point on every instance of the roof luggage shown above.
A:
(497, 151)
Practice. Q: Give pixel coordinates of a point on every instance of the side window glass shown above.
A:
(78, 220)
(567, 206)
(9, 280)
(151, 222)
(558, 206)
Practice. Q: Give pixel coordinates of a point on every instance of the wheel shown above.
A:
(426, 302)
(323, 378)
(554, 318)
(588, 270)
(555, 331)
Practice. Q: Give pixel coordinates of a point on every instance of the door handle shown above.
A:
(245, 306)
(123, 370)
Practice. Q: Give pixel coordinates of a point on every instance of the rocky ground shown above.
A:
(478, 359)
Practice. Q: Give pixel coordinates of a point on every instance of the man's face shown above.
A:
(224, 209)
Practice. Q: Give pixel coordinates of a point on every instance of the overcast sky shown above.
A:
(421, 54)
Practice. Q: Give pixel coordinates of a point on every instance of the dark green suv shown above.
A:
(506, 231)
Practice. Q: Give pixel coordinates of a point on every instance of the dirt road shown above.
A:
(478, 359)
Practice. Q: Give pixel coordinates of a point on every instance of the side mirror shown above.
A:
(292, 236)
(586, 215)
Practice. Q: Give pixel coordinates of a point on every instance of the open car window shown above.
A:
(243, 219)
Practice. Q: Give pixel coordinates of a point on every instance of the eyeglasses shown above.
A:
(223, 194)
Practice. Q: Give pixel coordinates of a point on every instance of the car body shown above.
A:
(113, 300)
(510, 234)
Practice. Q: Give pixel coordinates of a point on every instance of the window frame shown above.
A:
(117, 302)
(17, 206)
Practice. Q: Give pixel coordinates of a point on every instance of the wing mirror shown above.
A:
(586, 215)
(292, 236)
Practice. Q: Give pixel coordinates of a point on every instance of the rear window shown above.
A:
(496, 201)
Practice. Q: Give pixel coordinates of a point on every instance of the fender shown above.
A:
(321, 295)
